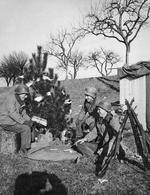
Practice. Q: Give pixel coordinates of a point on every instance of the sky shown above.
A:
(26, 24)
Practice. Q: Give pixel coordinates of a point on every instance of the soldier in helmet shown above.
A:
(13, 116)
(104, 134)
(111, 124)
(85, 122)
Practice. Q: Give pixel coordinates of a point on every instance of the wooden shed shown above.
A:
(135, 83)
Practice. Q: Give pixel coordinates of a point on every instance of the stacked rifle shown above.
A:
(141, 140)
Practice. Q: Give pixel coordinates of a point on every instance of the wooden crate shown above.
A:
(9, 142)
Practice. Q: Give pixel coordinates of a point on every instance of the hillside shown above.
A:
(3, 89)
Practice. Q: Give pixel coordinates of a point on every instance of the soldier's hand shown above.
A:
(29, 123)
(81, 141)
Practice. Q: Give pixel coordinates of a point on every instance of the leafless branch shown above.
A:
(120, 20)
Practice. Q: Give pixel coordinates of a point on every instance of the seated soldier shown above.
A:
(13, 116)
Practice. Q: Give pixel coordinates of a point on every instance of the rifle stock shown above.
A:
(118, 140)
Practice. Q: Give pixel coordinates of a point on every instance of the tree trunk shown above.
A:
(7, 83)
(66, 65)
(66, 75)
(75, 73)
(127, 55)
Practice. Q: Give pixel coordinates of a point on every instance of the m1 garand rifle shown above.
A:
(139, 136)
(140, 140)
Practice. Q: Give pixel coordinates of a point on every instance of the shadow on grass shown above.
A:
(39, 183)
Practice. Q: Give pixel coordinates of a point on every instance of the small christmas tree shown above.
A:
(53, 96)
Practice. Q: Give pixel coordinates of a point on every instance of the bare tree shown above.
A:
(12, 66)
(118, 19)
(4, 73)
(103, 61)
(76, 61)
(61, 47)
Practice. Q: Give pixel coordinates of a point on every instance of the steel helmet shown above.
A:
(105, 106)
(67, 101)
(91, 91)
(21, 89)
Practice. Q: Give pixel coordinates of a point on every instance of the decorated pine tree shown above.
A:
(52, 96)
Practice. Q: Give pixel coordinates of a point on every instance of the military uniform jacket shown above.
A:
(108, 129)
(87, 117)
(10, 110)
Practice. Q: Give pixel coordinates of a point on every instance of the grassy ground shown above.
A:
(21, 176)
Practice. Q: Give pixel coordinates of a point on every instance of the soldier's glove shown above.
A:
(81, 141)
(28, 123)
